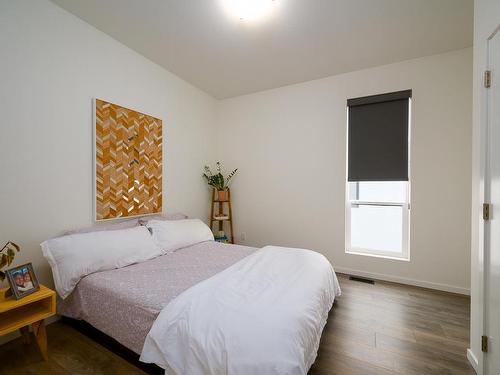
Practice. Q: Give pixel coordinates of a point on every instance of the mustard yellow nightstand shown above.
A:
(32, 309)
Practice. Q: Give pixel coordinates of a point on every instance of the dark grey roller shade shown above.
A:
(378, 137)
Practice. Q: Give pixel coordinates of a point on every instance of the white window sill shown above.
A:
(370, 253)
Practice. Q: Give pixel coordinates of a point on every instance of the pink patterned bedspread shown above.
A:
(123, 303)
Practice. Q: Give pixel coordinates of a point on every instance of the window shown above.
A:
(378, 184)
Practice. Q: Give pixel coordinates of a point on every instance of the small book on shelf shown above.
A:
(222, 239)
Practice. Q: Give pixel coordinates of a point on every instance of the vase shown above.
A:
(222, 195)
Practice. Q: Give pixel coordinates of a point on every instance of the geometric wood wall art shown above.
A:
(128, 162)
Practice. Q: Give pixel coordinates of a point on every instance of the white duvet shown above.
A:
(263, 315)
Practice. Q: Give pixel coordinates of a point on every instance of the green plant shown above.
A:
(7, 255)
(217, 180)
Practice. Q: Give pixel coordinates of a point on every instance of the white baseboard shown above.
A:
(13, 335)
(404, 280)
(473, 361)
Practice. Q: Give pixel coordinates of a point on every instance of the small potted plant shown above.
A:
(218, 182)
(7, 255)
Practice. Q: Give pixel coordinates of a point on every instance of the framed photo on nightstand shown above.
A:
(22, 280)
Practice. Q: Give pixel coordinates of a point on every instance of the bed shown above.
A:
(124, 303)
(196, 306)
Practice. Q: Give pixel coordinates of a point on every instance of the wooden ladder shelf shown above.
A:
(228, 217)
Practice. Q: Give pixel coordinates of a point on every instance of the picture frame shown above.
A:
(134, 153)
(22, 280)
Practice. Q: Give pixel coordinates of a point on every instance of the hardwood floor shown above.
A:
(381, 329)
(390, 328)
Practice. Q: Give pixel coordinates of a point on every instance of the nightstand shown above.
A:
(30, 310)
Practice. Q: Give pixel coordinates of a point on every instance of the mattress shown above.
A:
(124, 303)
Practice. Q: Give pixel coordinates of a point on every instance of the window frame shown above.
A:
(405, 206)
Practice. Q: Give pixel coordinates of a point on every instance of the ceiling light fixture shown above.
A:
(249, 10)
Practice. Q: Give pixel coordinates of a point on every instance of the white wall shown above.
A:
(486, 19)
(290, 146)
(52, 64)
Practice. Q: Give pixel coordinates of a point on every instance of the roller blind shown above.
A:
(378, 137)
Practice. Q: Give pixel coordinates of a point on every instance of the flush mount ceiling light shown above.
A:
(249, 10)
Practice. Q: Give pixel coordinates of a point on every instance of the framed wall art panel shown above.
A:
(128, 162)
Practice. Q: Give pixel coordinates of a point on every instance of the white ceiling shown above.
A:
(302, 40)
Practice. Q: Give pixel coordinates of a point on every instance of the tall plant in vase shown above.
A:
(217, 180)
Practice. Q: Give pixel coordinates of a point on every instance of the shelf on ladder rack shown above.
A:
(219, 211)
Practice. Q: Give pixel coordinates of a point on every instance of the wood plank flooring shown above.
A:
(381, 329)
(390, 328)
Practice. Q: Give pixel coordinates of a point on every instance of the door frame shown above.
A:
(485, 196)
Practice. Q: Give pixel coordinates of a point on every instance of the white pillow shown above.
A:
(175, 234)
(174, 216)
(126, 223)
(75, 256)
